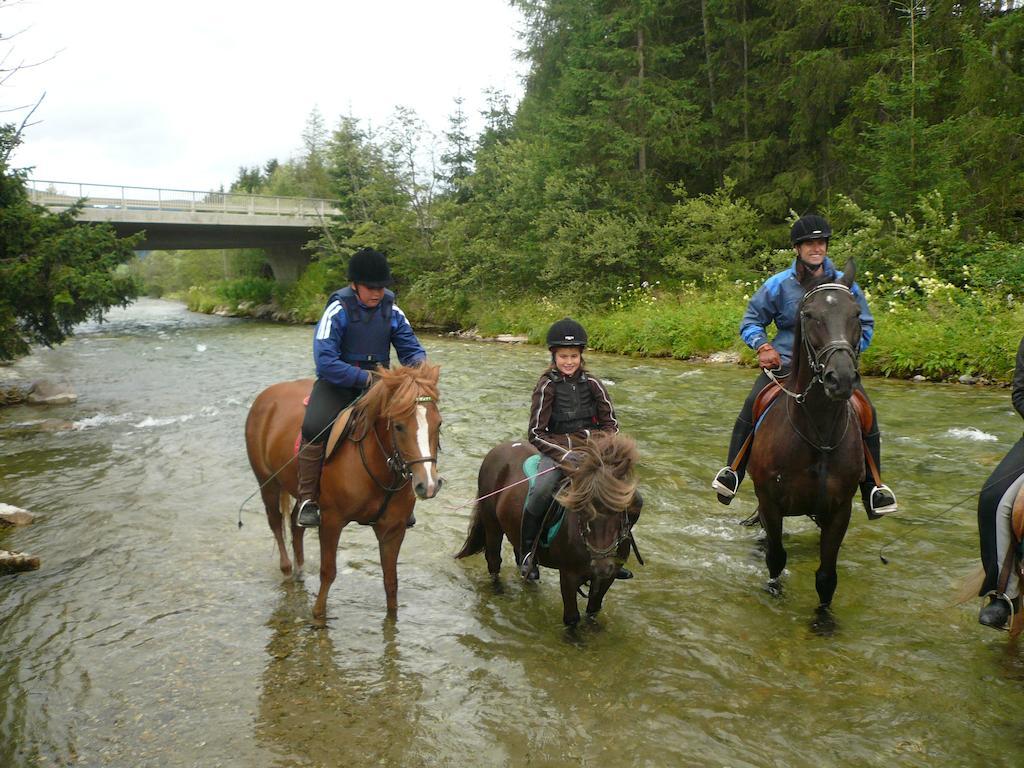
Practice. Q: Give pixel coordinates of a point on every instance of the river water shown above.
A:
(158, 633)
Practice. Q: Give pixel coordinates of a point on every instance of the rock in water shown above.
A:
(10, 515)
(13, 562)
(52, 393)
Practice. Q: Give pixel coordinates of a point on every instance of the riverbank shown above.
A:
(943, 336)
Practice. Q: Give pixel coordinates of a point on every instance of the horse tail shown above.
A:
(476, 537)
(970, 587)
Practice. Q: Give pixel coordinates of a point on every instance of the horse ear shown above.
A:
(849, 274)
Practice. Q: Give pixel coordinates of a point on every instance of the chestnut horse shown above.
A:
(594, 537)
(372, 478)
(807, 457)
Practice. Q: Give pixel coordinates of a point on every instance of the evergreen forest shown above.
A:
(648, 177)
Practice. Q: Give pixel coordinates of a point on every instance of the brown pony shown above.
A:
(807, 457)
(594, 537)
(372, 478)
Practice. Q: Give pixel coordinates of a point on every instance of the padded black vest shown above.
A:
(574, 407)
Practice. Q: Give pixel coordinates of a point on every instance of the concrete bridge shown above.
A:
(176, 219)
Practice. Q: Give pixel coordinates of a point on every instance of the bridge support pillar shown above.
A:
(287, 262)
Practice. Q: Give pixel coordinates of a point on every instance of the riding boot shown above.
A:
(997, 613)
(310, 461)
(879, 500)
(538, 499)
(727, 480)
(533, 516)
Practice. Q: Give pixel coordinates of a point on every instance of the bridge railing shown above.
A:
(58, 195)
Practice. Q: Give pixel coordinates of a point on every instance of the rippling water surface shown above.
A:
(157, 633)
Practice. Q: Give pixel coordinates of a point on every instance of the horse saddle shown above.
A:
(341, 429)
(1013, 562)
(767, 396)
(531, 466)
(1017, 523)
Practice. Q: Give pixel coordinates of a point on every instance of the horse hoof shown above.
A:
(773, 588)
(824, 623)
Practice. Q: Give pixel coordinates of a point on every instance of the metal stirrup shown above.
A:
(724, 489)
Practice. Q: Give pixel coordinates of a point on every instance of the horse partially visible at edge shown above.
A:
(1010, 584)
(374, 476)
(807, 457)
(594, 537)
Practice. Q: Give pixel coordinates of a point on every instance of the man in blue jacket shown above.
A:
(776, 302)
(355, 334)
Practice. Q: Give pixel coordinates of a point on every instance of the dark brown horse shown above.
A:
(594, 537)
(807, 457)
(373, 477)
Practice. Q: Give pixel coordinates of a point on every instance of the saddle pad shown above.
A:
(530, 468)
(1017, 518)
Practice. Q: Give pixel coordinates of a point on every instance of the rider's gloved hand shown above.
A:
(768, 356)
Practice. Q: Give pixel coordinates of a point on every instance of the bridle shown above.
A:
(398, 464)
(817, 359)
(624, 533)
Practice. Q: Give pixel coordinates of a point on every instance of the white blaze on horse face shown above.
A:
(422, 431)
(830, 299)
(423, 442)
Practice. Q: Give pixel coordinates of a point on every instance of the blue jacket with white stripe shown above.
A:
(777, 301)
(351, 339)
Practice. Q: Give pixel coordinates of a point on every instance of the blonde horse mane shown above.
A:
(395, 391)
(604, 479)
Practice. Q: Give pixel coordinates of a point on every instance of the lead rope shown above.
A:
(1016, 472)
(505, 488)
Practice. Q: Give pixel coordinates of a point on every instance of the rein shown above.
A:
(816, 446)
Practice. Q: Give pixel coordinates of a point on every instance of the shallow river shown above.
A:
(157, 633)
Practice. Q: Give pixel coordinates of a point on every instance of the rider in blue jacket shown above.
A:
(355, 334)
(776, 302)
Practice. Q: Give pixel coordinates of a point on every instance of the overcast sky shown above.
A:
(180, 94)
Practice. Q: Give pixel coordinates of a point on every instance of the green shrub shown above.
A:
(252, 290)
(304, 299)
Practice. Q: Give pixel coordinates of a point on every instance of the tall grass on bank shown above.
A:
(242, 296)
(932, 328)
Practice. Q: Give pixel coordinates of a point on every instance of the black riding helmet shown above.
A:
(567, 333)
(370, 268)
(810, 227)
